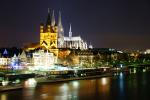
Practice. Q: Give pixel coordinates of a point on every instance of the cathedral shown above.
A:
(52, 36)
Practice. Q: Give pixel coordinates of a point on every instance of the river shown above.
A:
(122, 86)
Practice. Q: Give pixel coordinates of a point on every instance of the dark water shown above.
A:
(119, 87)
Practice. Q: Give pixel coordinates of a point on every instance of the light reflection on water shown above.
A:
(3, 97)
(121, 82)
(122, 87)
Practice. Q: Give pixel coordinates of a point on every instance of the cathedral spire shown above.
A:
(60, 27)
(48, 11)
(48, 22)
(53, 19)
(70, 32)
(59, 19)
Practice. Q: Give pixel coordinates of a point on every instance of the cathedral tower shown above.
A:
(70, 32)
(48, 33)
(60, 32)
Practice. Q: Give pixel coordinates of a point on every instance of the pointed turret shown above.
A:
(90, 46)
(53, 19)
(5, 52)
(59, 19)
(48, 22)
(60, 27)
(41, 27)
(70, 32)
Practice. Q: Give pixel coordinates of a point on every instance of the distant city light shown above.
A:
(119, 51)
(30, 83)
(5, 82)
(75, 84)
(104, 81)
(134, 71)
(121, 65)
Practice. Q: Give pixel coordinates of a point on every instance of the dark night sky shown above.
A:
(105, 23)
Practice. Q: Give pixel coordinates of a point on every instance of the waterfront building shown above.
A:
(42, 58)
(86, 58)
(22, 56)
(14, 59)
(147, 51)
(4, 61)
(15, 62)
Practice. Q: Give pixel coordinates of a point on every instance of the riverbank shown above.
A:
(45, 80)
(10, 87)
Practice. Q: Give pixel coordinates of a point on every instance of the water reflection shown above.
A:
(28, 93)
(63, 89)
(75, 84)
(120, 87)
(144, 70)
(104, 85)
(121, 84)
(104, 81)
(3, 97)
(134, 70)
(30, 83)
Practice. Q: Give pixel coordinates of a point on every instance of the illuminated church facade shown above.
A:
(52, 36)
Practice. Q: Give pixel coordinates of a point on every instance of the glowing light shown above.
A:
(121, 75)
(134, 71)
(104, 81)
(44, 96)
(104, 69)
(75, 84)
(119, 51)
(64, 89)
(121, 82)
(17, 81)
(41, 58)
(121, 65)
(4, 61)
(3, 97)
(144, 70)
(118, 68)
(30, 83)
(4, 83)
(61, 29)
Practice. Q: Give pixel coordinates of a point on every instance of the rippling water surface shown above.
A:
(119, 87)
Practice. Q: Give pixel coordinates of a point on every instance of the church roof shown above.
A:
(75, 38)
(31, 46)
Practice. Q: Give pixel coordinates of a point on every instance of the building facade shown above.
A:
(42, 58)
(74, 42)
(49, 34)
(52, 36)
